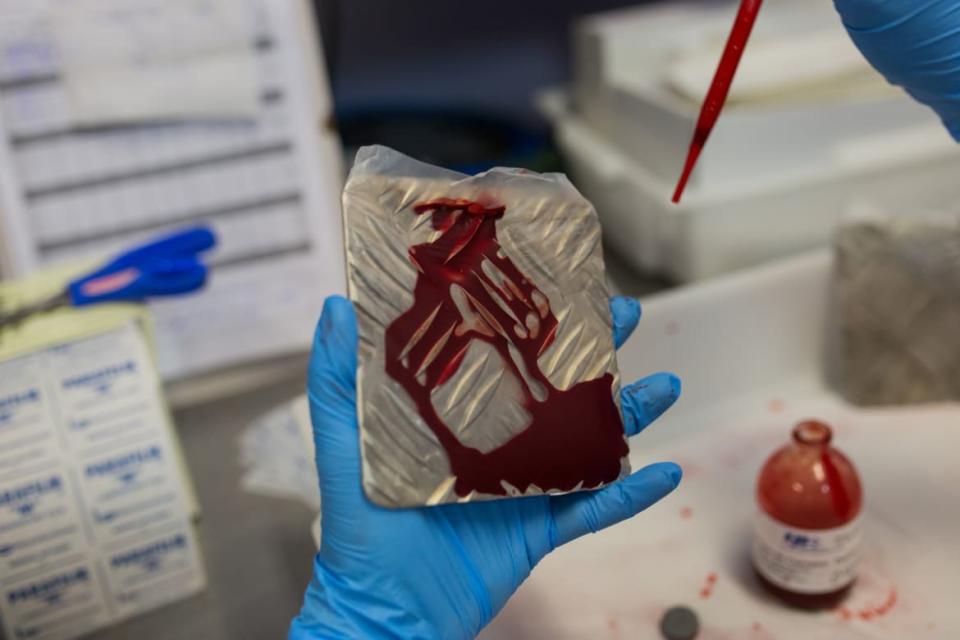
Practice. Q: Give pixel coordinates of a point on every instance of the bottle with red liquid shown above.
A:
(807, 535)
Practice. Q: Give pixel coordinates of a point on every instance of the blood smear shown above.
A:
(708, 585)
(871, 613)
(880, 610)
(468, 289)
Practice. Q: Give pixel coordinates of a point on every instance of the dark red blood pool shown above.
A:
(467, 289)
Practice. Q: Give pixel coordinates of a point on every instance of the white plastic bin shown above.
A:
(712, 233)
(785, 161)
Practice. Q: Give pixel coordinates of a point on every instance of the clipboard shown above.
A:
(268, 186)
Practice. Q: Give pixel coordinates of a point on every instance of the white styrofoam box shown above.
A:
(747, 224)
(623, 63)
(752, 350)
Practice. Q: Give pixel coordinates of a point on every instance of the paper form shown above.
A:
(95, 515)
(136, 60)
(269, 186)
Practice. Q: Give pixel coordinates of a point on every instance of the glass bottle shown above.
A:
(807, 534)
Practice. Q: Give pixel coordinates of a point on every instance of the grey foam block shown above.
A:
(897, 285)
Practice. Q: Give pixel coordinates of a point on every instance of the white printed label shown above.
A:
(806, 560)
(94, 519)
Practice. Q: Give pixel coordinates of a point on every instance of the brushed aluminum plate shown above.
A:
(552, 235)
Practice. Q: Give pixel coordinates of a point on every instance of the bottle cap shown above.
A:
(679, 623)
(812, 432)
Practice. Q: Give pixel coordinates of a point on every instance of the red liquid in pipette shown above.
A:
(719, 88)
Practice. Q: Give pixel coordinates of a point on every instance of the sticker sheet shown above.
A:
(95, 513)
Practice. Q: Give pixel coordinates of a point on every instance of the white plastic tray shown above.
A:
(751, 350)
(736, 226)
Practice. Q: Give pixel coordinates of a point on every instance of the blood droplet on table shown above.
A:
(708, 584)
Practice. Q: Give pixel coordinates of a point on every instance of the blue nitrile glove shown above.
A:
(441, 572)
(915, 44)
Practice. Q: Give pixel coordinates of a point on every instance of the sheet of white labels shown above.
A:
(95, 509)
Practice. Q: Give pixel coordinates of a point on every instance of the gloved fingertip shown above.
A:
(337, 314)
(625, 312)
(334, 345)
(655, 480)
(676, 385)
(672, 471)
(625, 309)
(646, 400)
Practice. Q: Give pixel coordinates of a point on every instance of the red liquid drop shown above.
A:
(708, 585)
(466, 290)
(810, 485)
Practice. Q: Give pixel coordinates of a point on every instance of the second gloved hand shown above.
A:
(915, 44)
(441, 572)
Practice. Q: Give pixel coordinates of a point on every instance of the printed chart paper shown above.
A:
(267, 184)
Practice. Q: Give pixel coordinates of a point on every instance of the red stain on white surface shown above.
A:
(776, 405)
(881, 609)
(686, 513)
(871, 612)
(759, 632)
(708, 585)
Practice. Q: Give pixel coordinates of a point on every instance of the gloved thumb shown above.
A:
(331, 383)
(577, 514)
(332, 389)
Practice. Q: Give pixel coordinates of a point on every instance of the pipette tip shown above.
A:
(692, 155)
(720, 87)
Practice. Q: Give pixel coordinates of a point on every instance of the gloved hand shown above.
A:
(446, 571)
(914, 44)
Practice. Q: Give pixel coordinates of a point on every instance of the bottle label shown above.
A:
(806, 560)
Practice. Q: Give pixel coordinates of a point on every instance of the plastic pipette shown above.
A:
(720, 87)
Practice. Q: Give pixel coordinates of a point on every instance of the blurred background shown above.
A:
(810, 271)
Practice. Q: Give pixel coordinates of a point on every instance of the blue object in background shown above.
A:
(167, 266)
(915, 44)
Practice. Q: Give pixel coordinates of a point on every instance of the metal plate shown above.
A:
(552, 236)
